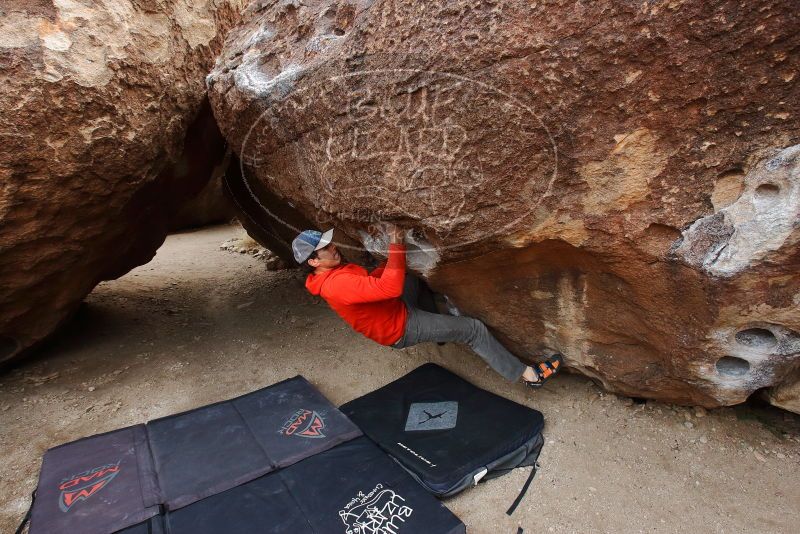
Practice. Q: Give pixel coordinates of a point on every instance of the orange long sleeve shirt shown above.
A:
(369, 302)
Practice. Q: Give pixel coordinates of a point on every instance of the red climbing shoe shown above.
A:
(546, 369)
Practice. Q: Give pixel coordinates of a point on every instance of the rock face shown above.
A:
(617, 181)
(96, 101)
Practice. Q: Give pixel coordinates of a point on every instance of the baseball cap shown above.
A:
(308, 241)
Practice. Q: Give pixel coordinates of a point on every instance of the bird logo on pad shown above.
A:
(432, 416)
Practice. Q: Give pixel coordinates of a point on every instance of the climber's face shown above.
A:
(328, 257)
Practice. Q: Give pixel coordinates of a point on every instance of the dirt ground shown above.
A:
(199, 324)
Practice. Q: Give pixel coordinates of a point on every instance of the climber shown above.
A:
(383, 305)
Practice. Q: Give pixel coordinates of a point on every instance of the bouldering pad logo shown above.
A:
(381, 511)
(304, 423)
(432, 416)
(83, 485)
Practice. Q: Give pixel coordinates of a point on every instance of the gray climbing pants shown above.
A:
(424, 326)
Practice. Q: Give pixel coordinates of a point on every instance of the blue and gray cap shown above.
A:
(308, 241)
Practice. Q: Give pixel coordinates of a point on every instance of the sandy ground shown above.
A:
(198, 325)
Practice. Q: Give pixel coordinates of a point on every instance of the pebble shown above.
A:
(781, 456)
(699, 411)
(759, 457)
(688, 424)
(703, 439)
(91, 388)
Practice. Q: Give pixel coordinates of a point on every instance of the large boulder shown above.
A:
(96, 100)
(613, 180)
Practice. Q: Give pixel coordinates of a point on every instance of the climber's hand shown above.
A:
(396, 234)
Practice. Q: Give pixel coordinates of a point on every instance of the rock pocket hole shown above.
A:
(767, 190)
(472, 39)
(732, 366)
(338, 31)
(756, 337)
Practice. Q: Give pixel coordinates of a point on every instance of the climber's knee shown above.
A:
(477, 329)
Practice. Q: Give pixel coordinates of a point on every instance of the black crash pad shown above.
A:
(117, 480)
(444, 430)
(354, 488)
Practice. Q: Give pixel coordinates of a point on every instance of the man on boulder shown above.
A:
(383, 305)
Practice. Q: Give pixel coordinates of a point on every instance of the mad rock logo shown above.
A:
(381, 511)
(83, 485)
(304, 423)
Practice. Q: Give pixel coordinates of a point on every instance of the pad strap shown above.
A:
(523, 491)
